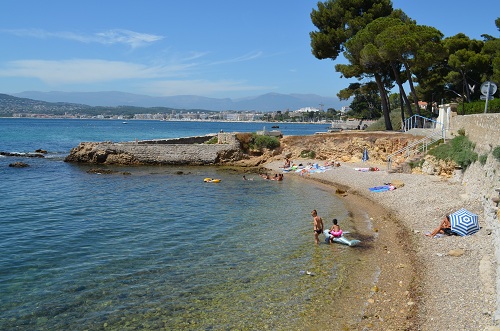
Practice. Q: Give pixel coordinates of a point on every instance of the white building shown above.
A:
(307, 110)
(345, 109)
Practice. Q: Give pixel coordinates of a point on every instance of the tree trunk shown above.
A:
(401, 89)
(383, 98)
(402, 112)
(412, 87)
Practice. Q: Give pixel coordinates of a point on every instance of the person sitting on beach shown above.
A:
(317, 225)
(280, 177)
(287, 163)
(335, 230)
(443, 228)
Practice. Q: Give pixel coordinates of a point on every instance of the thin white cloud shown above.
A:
(134, 39)
(162, 80)
(89, 71)
(243, 58)
(109, 37)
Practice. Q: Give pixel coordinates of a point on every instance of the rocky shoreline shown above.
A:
(452, 278)
(425, 283)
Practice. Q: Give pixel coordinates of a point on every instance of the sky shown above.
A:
(220, 48)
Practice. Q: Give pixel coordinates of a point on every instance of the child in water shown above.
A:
(335, 230)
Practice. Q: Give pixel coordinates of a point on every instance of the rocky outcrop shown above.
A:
(100, 153)
(347, 146)
(156, 153)
(433, 166)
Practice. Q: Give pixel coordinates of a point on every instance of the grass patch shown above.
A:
(416, 164)
(460, 150)
(483, 158)
(213, 140)
(496, 153)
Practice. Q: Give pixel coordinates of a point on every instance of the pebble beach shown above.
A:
(446, 283)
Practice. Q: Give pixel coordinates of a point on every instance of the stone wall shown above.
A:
(482, 129)
(480, 181)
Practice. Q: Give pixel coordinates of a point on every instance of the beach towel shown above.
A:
(382, 188)
(367, 169)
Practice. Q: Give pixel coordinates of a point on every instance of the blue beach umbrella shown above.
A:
(464, 223)
(365, 155)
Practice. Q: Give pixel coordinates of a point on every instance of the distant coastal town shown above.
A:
(27, 108)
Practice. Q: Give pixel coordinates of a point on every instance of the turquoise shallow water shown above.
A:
(157, 249)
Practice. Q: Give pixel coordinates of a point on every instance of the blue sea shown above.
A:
(158, 249)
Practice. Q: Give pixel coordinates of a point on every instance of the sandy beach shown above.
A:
(423, 283)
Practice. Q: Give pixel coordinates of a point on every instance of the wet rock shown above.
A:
(21, 154)
(18, 165)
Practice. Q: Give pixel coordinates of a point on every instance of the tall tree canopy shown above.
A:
(339, 20)
(383, 46)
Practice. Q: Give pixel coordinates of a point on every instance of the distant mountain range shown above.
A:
(265, 102)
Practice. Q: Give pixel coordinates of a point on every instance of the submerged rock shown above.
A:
(19, 165)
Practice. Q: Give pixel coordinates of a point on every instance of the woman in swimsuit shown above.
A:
(444, 228)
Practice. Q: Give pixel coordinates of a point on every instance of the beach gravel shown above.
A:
(454, 278)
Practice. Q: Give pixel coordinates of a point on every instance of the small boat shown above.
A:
(211, 180)
(341, 239)
(275, 126)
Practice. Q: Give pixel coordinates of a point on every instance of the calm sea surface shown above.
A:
(157, 249)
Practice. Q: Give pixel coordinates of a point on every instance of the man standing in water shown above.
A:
(318, 225)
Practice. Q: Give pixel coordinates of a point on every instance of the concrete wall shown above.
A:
(157, 153)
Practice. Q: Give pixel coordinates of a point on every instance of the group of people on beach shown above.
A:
(334, 232)
(278, 177)
(288, 164)
(444, 228)
(275, 177)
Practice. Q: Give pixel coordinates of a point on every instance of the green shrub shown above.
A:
(460, 150)
(212, 140)
(483, 158)
(379, 125)
(496, 153)
(308, 154)
(477, 107)
(260, 142)
(461, 132)
(416, 164)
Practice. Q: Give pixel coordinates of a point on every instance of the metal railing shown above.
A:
(421, 122)
(419, 146)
